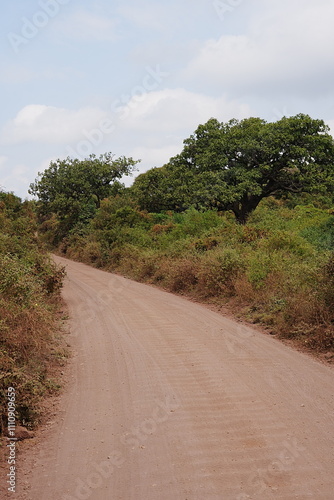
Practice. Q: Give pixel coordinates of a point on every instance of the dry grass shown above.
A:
(29, 324)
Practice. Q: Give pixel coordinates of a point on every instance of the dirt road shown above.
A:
(168, 400)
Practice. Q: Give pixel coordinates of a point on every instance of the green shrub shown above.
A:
(321, 236)
(289, 242)
(194, 222)
(259, 265)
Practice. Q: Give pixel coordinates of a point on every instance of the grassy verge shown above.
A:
(277, 270)
(30, 345)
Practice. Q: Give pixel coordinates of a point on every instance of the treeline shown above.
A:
(29, 295)
(243, 215)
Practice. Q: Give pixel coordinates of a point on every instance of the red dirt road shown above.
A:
(168, 400)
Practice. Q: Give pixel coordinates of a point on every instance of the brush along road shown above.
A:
(168, 400)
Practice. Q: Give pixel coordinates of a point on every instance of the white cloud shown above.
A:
(15, 178)
(49, 124)
(283, 50)
(154, 127)
(156, 156)
(172, 110)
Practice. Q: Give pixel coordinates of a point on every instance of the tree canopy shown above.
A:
(234, 165)
(71, 190)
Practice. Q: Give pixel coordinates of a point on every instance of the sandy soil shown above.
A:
(168, 400)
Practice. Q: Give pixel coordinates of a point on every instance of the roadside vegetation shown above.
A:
(243, 217)
(29, 320)
(276, 270)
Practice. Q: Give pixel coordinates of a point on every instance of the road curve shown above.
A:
(168, 400)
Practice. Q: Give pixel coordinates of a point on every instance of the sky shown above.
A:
(136, 78)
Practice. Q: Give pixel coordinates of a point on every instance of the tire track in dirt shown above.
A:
(187, 404)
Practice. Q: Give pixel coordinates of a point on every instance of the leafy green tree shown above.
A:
(173, 188)
(234, 165)
(153, 190)
(70, 191)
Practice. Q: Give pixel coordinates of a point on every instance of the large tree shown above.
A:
(71, 190)
(234, 165)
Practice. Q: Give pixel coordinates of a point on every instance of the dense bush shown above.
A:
(29, 286)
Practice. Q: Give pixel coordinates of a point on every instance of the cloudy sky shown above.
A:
(137, 77)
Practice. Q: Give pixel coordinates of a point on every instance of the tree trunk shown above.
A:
(245, 207)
